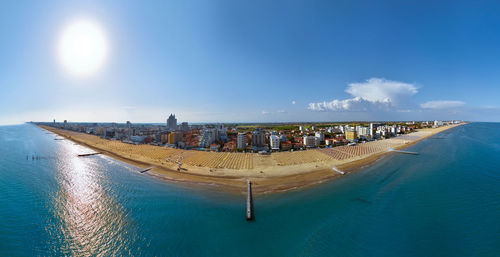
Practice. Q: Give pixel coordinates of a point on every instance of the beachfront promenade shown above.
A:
(245, 165)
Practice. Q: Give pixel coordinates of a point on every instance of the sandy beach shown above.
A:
(229, 171)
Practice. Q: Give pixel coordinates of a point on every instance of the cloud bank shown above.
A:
(375, 93)
(355, 104)
(378, 94)
(442, 104)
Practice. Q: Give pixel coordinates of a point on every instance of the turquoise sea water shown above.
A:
(443, 202)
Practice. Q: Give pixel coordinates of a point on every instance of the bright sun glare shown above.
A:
(83, 47)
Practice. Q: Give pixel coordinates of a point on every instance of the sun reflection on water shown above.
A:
(92, 221)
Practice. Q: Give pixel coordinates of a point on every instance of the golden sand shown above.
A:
(269, 173)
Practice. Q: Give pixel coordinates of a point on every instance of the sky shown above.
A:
(253, 61)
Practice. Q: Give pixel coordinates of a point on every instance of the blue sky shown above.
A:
(256, 61)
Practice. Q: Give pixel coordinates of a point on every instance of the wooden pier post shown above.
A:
(250, 215)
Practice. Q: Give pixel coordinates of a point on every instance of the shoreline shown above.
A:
(287, 178)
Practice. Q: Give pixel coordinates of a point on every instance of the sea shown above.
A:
(443, 202)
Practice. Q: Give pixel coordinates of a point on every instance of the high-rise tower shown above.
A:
(172, 122)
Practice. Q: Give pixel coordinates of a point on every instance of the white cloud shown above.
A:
(281, 111)
(293, 102)
(375, 93)
(382, 90)
(356, 104)
(442, 104)
(265, 112)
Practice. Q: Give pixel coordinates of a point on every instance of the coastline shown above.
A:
(276, 178)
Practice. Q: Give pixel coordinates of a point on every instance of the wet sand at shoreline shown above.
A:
(277, 172)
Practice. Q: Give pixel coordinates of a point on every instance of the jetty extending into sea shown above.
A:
(250, 215)
(146, 169)
(87, 154)
(401, 151)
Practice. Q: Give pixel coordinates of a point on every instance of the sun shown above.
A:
(83, 47)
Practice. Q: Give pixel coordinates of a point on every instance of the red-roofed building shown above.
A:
(285, 146)
(214, 147)
(330, 141)
(229, 146)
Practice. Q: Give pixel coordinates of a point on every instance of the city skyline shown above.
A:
(251, 62)
(262, 139)
(178, 123)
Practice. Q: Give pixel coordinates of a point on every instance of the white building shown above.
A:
(241, 141)
(320, 136)
(334, 130)
(274, 141)
(438, 123)
(208, 137)
(309, 141)
(363, 131)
